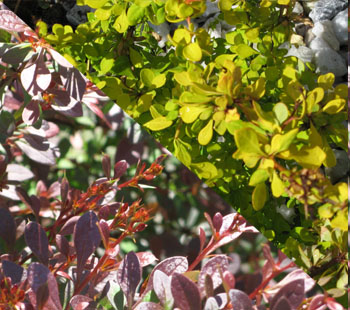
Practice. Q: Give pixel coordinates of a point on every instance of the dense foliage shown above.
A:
(258, 127)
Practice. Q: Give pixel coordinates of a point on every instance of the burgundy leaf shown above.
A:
(120, 168)
(129, 275)
(215, 267)
(81, 302)
(45, 157)
(51, 129)
(162, 288)
(68, 227)
(31, 112)
(54, 190)
(62, 245)
(59, 58)
(282, 304)
(186, 293)
(7, 228)
(168, 266)
(229, 279)
(37, 241)
(221, 300)
(18, 53)
(18, 173)
(104, 231)
(13, 271)
(66, 104)
(64, 191)
(240, 300)
(9, 21)
(40, 276)
(293, 292)
(148, 306)
(146, 258)
(86, 238)
(317, 303)
(36, 77)
(108, 210)
(42, 296)
(208, 286)
(201, 238)
(106, 166)
(73, 81)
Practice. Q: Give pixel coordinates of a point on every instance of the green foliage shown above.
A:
(258, 127)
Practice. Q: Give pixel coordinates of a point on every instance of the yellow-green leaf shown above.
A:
(206, 133)
(259, 196)
(325, 211)
(280, 143)
(245, 51)
(192, 52)
(277, 185)
(247, 141)
(158, 123)
(340, 221)
(190, 113)
(283, 2)
(326, 81)
(205, 170)
(95, 4)
(334, 106)
(121, 24)
(259, 176)
(281, 112)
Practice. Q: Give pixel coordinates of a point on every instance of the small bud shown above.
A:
(120, 168)
(217, 221)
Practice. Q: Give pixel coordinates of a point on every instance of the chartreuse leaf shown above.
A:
(281, 112)
(181, 151)
(135, 14)
(325, 211)
(245, 51)
(190, 113)
(340, 220)
(277, 186)
(334, 106)
(313, 98)
(192, 52)
(308, 157)
(206, 133)
(326, 81)
(147, 76)
(183, 78)
(121, 24)
(158, 123)
(259, 176)
(259, 196)
(256, 90)
(95, 4)
(283, 2)
(280, 143)
(205, 170)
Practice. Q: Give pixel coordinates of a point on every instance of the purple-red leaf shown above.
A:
(186, 293)
(120, 168)
(9, 21)
(68, 227)
(215, 267)
(201, 238)
(31, 112)
(104, 231)
(37, 241)
(62, 244)
(66, 104)
(7, 227)
(240, 300)
(81, 302)
(217, 221)
(18, 173)
(282, 304)
(162, 288)
(106, 166)
(293, 292)
(168, 266)
(129, 276)
(148, 306)
(15, 272)
(40, 277)
(86, 238)
(146, 258)
(317, 303)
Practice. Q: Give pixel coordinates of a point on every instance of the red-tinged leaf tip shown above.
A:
(81, 302)
(240, 300)
(37, 241)
(104, 231)
(186, 293)
(146, 258)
